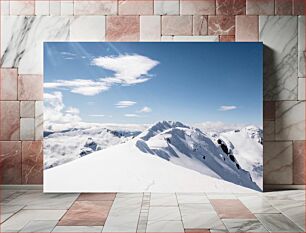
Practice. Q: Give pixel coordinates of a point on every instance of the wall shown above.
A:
(25, 24)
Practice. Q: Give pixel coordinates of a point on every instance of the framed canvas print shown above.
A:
(153, 117)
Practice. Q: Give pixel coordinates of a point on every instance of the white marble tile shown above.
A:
(87, 28)
(164, 7)
(278, 162)
(66, 7)
(22, 40)
(106, 7)
(258, 205)
(55, 8)
(150, 28)
(5, 7)
(293, 195)
(192, 198)
(163, 199)
(20, 219)
(221, 196)
(165, 226)
(27, 131)
(277, 223)
(196, 38)
(27, 109)
(167, 38)
(170, 213)
(290, 120)
(301, 89)
(78, 229)
(269, 130)
(39, 120)
(42, 7)
(39, 226)
(279, 35)
(8, 210)
(301, 46)
(239, 225)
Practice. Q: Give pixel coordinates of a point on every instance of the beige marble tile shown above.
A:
(301, 89)
(8, 84)
(166, 7)
(269, 130)
(177, 25)
(278, 162)
(150, 28)
(301, 46)
(27, 109)
(27, 131)
(191, 7)
(107, 7)
(135, 7)
(39, 120)
(42, 7)
(22, 7)
(9, 120)
(290, 120)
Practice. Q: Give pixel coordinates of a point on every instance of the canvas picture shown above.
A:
(153, 117)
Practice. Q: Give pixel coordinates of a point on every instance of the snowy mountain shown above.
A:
(168, 156)
(67, 145)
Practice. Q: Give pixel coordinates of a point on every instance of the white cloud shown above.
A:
(56, 112)
(131, 115)
(227, 108)
(96, 115)
(125, 104)
(129, 70)
(145, 109)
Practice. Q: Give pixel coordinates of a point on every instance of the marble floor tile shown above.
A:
(278, 223)
(6, 193)
(75, 229)
(258, 205)
(23, 217)
(158, 213)
(231, 209)
(39, 226)
(237, 225)
(297, 195)
(192, 198)
(221, 196)
(165, 226)
(163, 199)
(8, 210)
(97, 197)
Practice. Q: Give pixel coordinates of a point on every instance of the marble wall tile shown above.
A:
(260, 7)
(42, 7)
(290, 120)
(283, 7)
(247, 28)
(269, 110)
(279, 35)
(30, 87)
(22, 7)
(66, 7)
(200, 25)
(224, 38)
(87, 28)
(299, 162)
(55, 8)
(10, 162)
(301, 46)
(135, 7)
(32, 162)
(150, 28)
(8, 84)
(39, 120)
(230, 7)
(27, 129)
(27, 109)
(166, 7)
(301, 89)
(196, 38)
(203, 7)
(107, 7)
(9, 120)
(278, 163)
(122, 28)
(298, 7)
(269, 130)
(5, 7)
(22, 40)
(221, 25)
(176, 25)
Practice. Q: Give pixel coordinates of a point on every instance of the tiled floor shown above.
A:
(33, 211)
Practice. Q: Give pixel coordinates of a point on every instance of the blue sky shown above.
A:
(148, 82)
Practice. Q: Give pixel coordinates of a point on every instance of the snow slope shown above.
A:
(168, 157)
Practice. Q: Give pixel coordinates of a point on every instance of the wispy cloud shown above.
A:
(129, 70)
(131, 115)
(227, 108)
(145, 109)
(68, 55)
(125, 104)
(96, 115)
